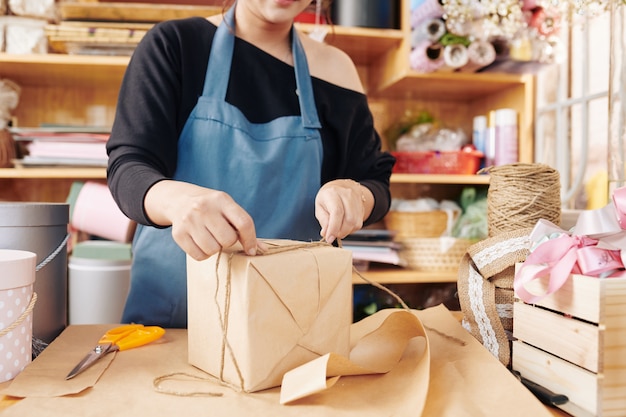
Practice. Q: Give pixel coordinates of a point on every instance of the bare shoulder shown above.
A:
(331, 64)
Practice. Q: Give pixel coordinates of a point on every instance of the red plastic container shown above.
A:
(437, 162)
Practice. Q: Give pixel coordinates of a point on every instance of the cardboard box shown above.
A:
(573, 342)
(253, 318)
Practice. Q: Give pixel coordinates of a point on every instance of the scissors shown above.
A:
(124, 337)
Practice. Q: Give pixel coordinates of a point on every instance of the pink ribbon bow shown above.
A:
(595, 247)
(556, 258)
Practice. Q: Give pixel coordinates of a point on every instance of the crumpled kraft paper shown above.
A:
(372, 352)
(465, 381)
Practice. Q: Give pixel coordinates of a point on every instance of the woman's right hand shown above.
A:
(203, 220)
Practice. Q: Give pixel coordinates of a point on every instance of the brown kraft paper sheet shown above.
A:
(465, 380)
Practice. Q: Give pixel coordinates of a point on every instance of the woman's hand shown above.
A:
(203, 220)
(341, 207)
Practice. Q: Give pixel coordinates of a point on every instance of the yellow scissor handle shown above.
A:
(130, 336)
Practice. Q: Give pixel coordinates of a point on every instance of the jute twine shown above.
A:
(520, 194)
(21, 318)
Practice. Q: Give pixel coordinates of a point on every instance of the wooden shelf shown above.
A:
(131, 12)
(364, 45)
(439, 179)
(53, 173)
(100, 173)
(444, 86)
(58, 70)
(107, 71)
(403, 276)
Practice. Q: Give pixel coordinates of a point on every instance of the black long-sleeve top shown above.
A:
(163, 82)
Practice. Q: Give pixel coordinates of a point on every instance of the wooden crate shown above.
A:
(573, 342)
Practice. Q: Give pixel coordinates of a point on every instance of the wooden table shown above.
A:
(173, 357)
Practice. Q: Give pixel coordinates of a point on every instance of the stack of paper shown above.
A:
(373, 245)
(101, 38)
(62, 146)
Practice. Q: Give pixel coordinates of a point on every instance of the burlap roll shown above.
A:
(519, 195)
(485, 287)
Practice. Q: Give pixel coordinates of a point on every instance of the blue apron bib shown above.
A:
(272, 170)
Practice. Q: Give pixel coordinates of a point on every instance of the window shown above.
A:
(571, 120)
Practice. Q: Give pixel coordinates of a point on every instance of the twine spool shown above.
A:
(520, 194)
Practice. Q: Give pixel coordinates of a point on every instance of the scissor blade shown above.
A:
(91, 358)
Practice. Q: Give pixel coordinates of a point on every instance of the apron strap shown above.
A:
(220, 59)
(303, 83)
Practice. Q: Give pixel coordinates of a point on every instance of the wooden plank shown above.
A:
(39, 190)
(439, 179)
(395, 275)
(111, 25)
(44, 173)
(579, 296)
(578, 384)
(132, 12)
(573, 340)
(188, 2)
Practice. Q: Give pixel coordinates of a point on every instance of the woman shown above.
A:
(234, 127)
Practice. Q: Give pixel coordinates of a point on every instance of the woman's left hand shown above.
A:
(341, 207)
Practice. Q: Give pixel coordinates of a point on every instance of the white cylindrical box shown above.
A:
(17, 276)
(99, 279)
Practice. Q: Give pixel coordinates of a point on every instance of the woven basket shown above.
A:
(417, 224)
(434, 254)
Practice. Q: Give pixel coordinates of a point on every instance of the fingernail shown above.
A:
(330, 239)
(251, 251)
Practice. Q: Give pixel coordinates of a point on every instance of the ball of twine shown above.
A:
(520, 194)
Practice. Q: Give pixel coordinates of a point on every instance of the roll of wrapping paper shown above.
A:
(426, 9)
(480, 54)
(454, 57)
(95, 212)
(426, 57)
(502, 48)
(429, 30)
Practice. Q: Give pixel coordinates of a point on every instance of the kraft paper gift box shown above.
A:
(251, 319)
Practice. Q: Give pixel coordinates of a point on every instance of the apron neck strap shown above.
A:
(220, 60)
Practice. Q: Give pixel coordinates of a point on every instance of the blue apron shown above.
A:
(272, 170)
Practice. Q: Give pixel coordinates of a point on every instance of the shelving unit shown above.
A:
(83, 90)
